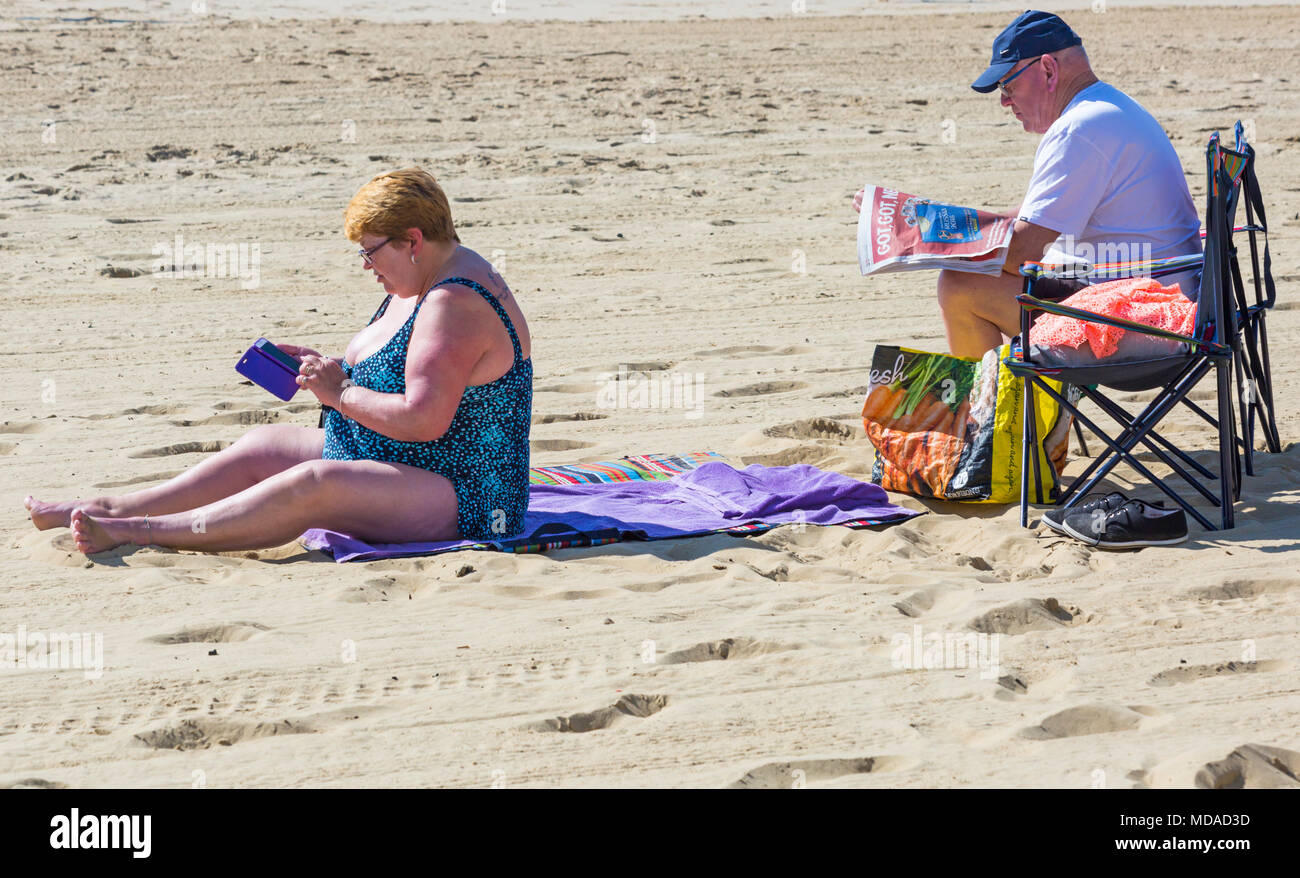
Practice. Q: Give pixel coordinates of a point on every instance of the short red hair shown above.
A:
(396, 201)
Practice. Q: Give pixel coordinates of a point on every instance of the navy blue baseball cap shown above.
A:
(1032, 34)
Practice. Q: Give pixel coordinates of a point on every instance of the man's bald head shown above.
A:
(1073, 58)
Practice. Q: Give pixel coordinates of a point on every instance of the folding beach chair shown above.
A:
(1228, 331)
(1251, 355)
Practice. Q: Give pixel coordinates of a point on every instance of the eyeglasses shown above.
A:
(1004, 83)
(366, 255)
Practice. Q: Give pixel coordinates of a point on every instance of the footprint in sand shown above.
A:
(163, 409)
(182, 448)
(756, 350)
(728, 649)
(1091, 719)
(245, 418)
(8, 447)
(639, 706)
(586, 387)
(649, 366)
(735, 351)
(571, 416)
(1233, 589)
(812, 428)
(859, 392)
(53, 547)
(762, 388)
(558, 444)
(34, 783)
(925, 600)
(151, 477)
(202, 734)
(1190, 673)
(1252, 767)
(232, 632)
(1030, 614)
(798, 774)
(810, 454)
(23, 429)
(385, 588)
(1042, 682)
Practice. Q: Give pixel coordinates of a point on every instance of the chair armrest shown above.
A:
(1029, 303)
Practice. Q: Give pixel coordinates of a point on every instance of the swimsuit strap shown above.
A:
(496, 306)
(382, 308)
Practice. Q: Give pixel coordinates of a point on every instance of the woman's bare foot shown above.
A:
(48, 515)
(99, 535)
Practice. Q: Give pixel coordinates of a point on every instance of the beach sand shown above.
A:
(667, 196)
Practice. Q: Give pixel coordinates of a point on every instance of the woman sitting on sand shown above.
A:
(426, 434)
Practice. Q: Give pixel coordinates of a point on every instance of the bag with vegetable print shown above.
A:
(950, 427)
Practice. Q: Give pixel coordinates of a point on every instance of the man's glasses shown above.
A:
(1004, 83)
(366, 255)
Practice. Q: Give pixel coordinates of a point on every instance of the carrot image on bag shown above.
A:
(949, 427)
(917, 420)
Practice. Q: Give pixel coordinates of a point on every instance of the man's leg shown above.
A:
(978, 309)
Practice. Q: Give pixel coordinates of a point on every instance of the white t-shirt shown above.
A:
(1108, 179)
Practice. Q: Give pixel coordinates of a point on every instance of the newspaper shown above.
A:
(901, 232)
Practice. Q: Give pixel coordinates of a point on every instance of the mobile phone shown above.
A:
(267, 366)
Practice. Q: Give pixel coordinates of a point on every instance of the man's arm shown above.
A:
(1028, 244)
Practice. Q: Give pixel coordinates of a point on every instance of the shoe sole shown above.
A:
(1050, 525)
(1132, 544)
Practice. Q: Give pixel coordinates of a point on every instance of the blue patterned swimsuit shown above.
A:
(484, 452)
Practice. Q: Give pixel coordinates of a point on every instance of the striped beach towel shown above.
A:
(634, 468)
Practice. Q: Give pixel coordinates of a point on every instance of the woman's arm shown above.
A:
(448, 339)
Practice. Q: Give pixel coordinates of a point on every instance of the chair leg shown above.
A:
(1247, 391)
(1268, 415)
(1227, 445)
(1143, 428)
(1125, 418)
(1031, 447)
(1026, 429)
(1078, 432)
(1118, 453)
(1135, 433)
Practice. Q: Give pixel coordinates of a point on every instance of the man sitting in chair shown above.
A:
(1107, 183)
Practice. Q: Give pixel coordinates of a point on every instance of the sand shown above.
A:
(667, 196)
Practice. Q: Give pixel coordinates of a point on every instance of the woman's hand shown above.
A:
(857, 199)
(297, 351)
(322, 376)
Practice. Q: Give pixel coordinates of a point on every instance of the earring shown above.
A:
(412, 258)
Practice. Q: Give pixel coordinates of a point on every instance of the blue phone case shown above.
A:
(267, 366)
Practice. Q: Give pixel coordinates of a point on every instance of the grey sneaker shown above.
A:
(1132, 525)
(1055, 517)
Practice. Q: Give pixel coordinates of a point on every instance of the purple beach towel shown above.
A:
(713, 498)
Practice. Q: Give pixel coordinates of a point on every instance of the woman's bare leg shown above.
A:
(368, 499)
(258, 454)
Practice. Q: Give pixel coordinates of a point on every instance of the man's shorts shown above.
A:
(1052, 289)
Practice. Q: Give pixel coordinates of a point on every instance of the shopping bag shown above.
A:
(951, 427)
